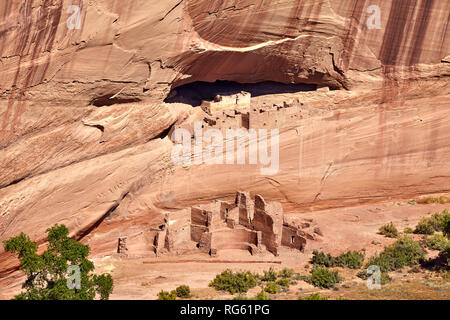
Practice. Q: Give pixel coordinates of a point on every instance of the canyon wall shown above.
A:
(84, 127)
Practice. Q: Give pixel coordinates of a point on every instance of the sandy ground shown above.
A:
(343, 229)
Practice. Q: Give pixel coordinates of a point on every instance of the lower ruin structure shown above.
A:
(247, 223)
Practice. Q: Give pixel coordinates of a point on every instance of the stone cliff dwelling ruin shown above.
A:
(195, 93)
(250, 224)
(237, 112)
(229, 101)
(263, 117)
(232, 107)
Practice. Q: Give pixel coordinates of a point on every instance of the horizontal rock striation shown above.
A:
(84, 129)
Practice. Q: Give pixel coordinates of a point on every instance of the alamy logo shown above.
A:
(374, 279)
(209, 145)
(374, 21)
(74, 277)
(74, 21)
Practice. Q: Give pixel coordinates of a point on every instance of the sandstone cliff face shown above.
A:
(84, 126)
(144, 48)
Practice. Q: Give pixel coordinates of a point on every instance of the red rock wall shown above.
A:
(64, 159)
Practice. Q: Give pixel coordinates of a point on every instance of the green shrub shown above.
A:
(234, 282)
(183, 291)
(424, 227)
(439, 263)
(313, 296)
(269, 275)
(388, 230)
(283, 282)
(446, 229)
(322, 259)
(437, 242)
(165, 295)
(444, 223)
(437, 222)
(384, 278)
(286, 273)
(444, 256)
(240, 296)
(429, 200)
(324, 278)
(261, 296)
(408, 230)
(349, 259)
(271, 287)
(403, 252)
(47, 273)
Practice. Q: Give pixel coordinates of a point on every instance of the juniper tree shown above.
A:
(47, 276)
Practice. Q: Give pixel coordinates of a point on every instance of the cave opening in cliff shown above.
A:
(109, 100)
(196, 92)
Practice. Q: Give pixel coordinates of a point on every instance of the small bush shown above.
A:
(384, 278)
(240, 296)
(424, 227)
(286, 273)
(269, 275)
(444, 256)
(165, 295)
(183, 291)
(446, 229)
(430, 200)
(283, 282)
(271, 287)
(238, 282)
(437, 242)
(349, 259)
(439, 263)
(408, 230)
(437, 222)
(388, 230)
(261, 296)
(404, 252)
(324, 278)
(313, 296)
(322, 259)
